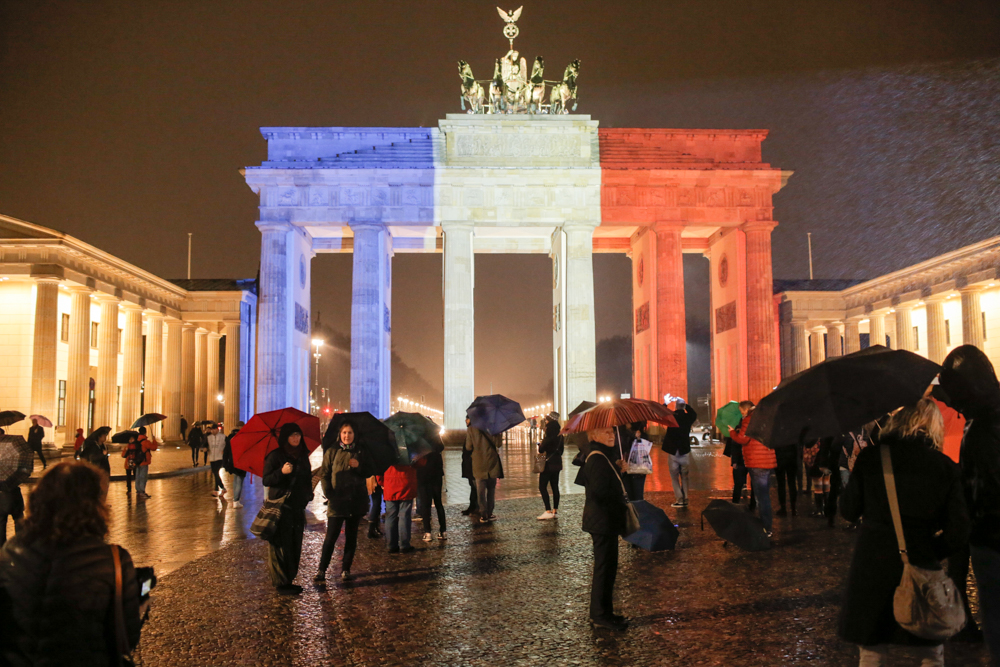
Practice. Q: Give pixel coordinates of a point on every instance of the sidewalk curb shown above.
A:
(156, 475)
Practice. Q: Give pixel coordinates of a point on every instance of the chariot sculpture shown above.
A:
(512, 89)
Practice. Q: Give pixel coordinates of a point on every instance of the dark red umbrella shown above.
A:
(259, 437)
(619, 412)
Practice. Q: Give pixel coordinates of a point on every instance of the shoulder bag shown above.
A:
(121, 636)
(265, 524)
(927, 602)
(631, 515)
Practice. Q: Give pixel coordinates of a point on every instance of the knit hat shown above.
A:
(554, 416)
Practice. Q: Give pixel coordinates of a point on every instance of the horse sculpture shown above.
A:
(498, 90)
(565, 91)
(472, 90)
(534, 92)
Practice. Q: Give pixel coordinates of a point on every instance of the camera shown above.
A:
(147, 582)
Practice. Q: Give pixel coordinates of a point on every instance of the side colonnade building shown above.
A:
(89, 340)
(929, 308)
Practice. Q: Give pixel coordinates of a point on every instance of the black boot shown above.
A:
(817, 506)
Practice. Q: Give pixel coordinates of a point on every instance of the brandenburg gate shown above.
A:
(518, 174)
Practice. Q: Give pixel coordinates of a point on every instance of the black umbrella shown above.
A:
(375, 437)
(147, 419)
(123, 437)
(416, 436)
(16, 461)
(494, 414)
(8, 417)
(840, 395)
(656, 531)
(734, 524)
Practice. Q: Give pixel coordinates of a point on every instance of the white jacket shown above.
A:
(216, 445)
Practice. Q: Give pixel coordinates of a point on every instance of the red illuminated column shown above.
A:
(761, 373)
(671, 336)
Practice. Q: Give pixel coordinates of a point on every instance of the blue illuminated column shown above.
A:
(371, 319)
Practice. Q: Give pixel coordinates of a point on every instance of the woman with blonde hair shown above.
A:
(935, 525)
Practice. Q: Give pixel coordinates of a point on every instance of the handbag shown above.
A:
(121, 636)
(639, 461)
(631, 514)
(265, 524)
(926, 603)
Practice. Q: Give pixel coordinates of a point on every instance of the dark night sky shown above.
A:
(125, 124)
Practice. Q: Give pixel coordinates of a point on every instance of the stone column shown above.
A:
(187, 372)
(43, 355)
(371, 320)
(937, 347)
(817, 351)
(972, 317)
(459, 323)
(876, 329)
(212, 377)
(172, 381)
(274, 365)
(800, 347)
(581, 336)
(761, 353)
(78, 370)
(231, 413)
(200, 374)
(130, 406)
(153, 386)
(833, 345)
(106, 408)
(852, 336)
(671, 326)
(904, 329)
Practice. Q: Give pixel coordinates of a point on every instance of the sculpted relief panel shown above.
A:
(517, 145)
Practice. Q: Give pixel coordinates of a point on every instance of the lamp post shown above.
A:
(317, 343)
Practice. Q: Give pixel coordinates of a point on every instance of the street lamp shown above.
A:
(317, 343)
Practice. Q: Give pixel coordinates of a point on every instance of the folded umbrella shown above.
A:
(620, 412)
(259, 437)
(16, 461)
(494, 414)
(728, 417)
(734, 524)
(840, 395)
(375, 437)
(8, 417)
(416, 435)
(123, 437)
(44, 422)
(656, 531)
(147, 419)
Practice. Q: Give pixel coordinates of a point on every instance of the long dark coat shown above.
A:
(929, 489)
(552, 446)
(604, 508)
(299, 481)
(344, 487)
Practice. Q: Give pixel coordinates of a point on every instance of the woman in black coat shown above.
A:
(552, 447)
(929, 490)
(345, 469)
(95, 449)
(57, 577)
(287, 471)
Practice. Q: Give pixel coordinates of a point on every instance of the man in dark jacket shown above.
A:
(970, 381)
(604, 518)
(35, 436)
(677, 445)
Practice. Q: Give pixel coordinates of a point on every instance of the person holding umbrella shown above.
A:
(95, 449)
(345, 469)
(35, 436)
(287, 473)
(147, 446)
(485, 468)
(195, 440)
(760, 461)
(131, 453)
(468, 474)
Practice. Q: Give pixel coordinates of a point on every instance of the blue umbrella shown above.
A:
(656, 531)
(494, 414)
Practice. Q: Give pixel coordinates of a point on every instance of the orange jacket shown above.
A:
(755, 453)
(148, 445)
(399, 482)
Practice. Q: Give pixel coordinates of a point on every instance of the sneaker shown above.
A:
(770, 533)
(215, 494)
(222, 493)
(467, 511)
(442, 536)
(546, 515)
(289, 589)
(345, 575)
(237, 505)
(484, 519)
(608, 623)
(408, 549)
(319, 578)
(418, 518)
(427, 537)
(679, 503)
(493, 517)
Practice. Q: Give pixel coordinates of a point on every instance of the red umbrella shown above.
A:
(259, 437)
(620, 412)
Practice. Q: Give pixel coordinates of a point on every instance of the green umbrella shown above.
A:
(728, 418)
(416, 436)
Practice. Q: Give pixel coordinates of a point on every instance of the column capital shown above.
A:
(274, 226)
(48, 280)
(458, 226)
(759, 226)
(214, 334)
(102, 297)
(188, 326)
(971, 289)
(153, 314)
(369, 224)
(580, 226)
(79, 289)
(129, 306)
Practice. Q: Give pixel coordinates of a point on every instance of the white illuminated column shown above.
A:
(459, 323)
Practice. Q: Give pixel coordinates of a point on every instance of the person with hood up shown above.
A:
(760, 461)
(486, 469)
(935, 524)
(552, 447)
(287, 472)
(971, 384)
(604, 518)
(196, 441)
(345, 469)
(95, 449)
(677, 445)
(35, 436)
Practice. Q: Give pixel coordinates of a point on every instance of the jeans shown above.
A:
(431, 492)
(333, 526)
(238, 487)
(986, 565)
(217, 473)
(602, 585)
(876, 656)
(785, 473)
(194, 457)
(679, 476)
(141, 476)
(375, 512)
(546, 480)
(487, 494)
(760, 479)
(397, 523)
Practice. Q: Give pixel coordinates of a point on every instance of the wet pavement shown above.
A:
(511, 593)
